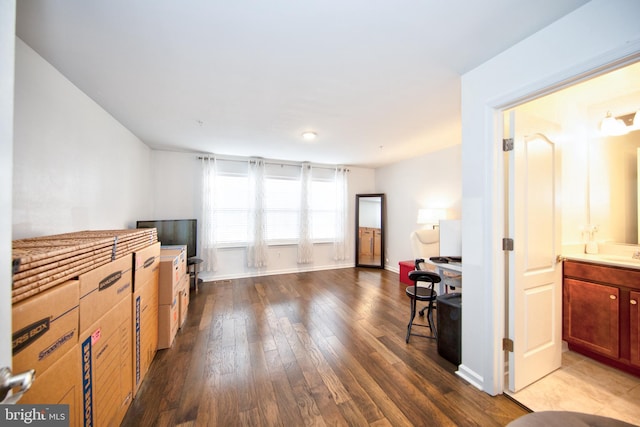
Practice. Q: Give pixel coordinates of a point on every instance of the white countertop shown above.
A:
(616, 260)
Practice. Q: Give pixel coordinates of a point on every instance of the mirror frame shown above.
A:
(359, 262)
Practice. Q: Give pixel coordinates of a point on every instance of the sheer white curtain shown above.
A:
(208, 250)
(340, 242)
(305, 245)
(257, 230)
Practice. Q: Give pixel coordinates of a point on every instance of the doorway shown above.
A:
(572, 117)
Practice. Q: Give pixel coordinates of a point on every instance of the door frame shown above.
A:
(495, 109)
(7, 74)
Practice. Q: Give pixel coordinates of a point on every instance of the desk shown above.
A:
(451, 274)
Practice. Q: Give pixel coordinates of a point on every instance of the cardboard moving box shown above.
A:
(145, 263)
(103, 288)
(45, 327)
(172, 270)
(60, 384)
(183, 300)
(180, 251)
(106, 355)
(145, 328)
(168, 321)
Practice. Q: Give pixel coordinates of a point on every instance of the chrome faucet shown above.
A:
(636, 254)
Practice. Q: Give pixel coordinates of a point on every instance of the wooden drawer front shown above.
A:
(634, 328)
(591, 316)
(627, 277)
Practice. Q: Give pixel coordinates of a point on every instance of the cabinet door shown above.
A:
(366, 241)
(377, 240)
(634, 327)
(591, 317)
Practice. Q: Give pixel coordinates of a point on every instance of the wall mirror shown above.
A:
(613, 187)
(370, 230)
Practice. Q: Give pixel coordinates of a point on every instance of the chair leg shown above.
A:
(413, 314)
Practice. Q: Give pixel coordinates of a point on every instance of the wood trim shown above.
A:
(620, 276)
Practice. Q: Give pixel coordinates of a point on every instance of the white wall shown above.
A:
(176, 195)
(74, 166)
(7, 43)
(594, 35)
(433, 180)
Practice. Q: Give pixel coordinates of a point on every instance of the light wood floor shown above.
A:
(585, 385)
(321, 348)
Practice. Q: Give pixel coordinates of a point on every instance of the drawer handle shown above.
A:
(612, 296)
(633, 302)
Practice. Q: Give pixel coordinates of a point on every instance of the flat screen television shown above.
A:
(175, 232)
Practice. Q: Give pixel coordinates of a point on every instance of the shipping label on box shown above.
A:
(145, 263)
(103, 288)
(145, 329)
(60, 384)
(106, 357)
(45, 327)
(168, 320)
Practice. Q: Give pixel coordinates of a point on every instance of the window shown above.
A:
(282, 209)
(282, 201)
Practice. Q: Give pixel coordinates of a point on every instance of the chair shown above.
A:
(422, 293)
(425, 243)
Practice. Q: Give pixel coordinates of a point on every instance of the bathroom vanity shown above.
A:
(601, 313)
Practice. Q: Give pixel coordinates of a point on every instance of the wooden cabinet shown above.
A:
(377, 240)
(366, 241)
(634, 328)
(370, 241)
(591, 316)
(600, 313)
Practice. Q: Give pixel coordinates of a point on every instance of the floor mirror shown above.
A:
(370, 230)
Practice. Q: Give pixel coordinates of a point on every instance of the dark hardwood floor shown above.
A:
(320, 348)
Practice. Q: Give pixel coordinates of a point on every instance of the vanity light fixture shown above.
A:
(613, 126)
(309, 135)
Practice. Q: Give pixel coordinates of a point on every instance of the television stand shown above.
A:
(192, 266)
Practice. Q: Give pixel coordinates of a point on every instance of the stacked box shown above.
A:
(40, 263)
(173, 275)
(181, 251)
(146, 262)
(74, 317)
(106, 341)
(45, 327)
(168, 321)
(145, 311)
(106, 356)
(102, 288)
(60, 384)
(173, 267)
(183, 300)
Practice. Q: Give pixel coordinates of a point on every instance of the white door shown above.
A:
(534, 274)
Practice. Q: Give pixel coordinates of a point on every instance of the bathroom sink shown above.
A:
(619, 258)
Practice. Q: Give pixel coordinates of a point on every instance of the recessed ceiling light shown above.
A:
(309, 136)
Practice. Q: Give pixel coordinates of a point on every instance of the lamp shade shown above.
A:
(430, 215)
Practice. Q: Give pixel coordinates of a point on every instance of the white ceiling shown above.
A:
(378, 80)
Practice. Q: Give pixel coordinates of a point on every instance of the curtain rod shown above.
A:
(270, 162)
